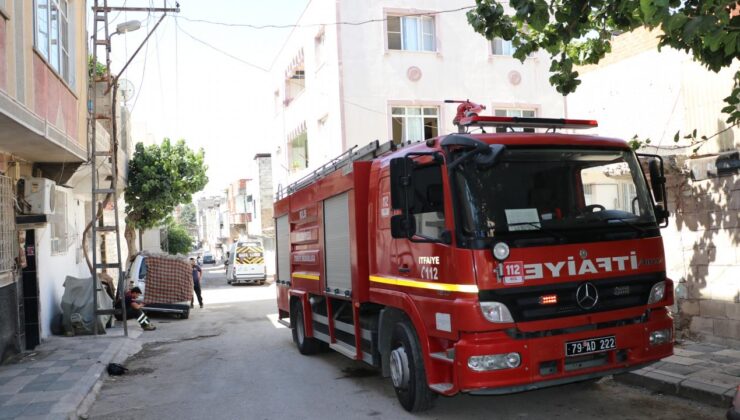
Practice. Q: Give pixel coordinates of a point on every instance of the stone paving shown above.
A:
(53, 380)
(703, 372)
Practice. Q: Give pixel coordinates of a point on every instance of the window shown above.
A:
(59, 223)
(513, 112)
(428, 207)
(500, 46)
(52, 36)
(411, 33)
(298, 152)
(412, 123)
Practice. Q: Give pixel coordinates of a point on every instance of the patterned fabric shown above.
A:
(168, 280)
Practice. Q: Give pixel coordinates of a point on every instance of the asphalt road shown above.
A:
(231, 360)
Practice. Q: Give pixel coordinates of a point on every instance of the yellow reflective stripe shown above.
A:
(305, 276)
(462, 288)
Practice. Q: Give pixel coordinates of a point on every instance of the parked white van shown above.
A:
(246, 263)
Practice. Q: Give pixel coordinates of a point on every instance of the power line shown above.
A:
(295, 25)
(178, 27)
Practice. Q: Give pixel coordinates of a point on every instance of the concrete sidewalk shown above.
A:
(58, 377)
(707, 373)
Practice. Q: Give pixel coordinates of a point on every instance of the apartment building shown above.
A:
(386, 76)
(45, 190)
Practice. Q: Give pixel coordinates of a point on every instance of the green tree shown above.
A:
(160, 177)
(188, 215)
(178, 239)
(579, 32)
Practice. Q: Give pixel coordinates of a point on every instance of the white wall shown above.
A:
(352, 92)
(53, 269)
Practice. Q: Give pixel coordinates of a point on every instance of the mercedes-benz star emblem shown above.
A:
(583, 254)
(587, 296)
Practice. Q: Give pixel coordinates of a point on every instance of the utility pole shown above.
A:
(102, 196)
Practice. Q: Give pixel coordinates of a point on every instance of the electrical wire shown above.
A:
(345, 23)
(143, 72)
(233, 57)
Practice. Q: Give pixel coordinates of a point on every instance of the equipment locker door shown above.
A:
(337, 248)
(282, 249)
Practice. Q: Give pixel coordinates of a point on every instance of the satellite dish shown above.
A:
(126, 88)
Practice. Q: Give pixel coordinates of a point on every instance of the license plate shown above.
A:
(590, 345)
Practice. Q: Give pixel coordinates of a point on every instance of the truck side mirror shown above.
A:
(657, 180)
(403, 226)
(401, 169)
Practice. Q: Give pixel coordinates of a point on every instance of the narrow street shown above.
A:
(231, 360)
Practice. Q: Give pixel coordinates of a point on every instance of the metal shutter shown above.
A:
(337, 246)
(283, 248)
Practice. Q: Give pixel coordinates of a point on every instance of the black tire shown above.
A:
(262, 282)
(305, 345)
(411, 386)
(185, 315)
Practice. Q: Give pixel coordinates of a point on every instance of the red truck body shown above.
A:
(370, 295)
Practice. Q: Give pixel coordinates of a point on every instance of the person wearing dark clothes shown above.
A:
(197, 274)
(133, 310)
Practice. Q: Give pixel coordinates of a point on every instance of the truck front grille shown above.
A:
(614, 293)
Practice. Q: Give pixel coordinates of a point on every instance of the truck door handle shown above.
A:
(404, 269)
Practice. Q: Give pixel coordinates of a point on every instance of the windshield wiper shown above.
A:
(538, 227)
(630, 224)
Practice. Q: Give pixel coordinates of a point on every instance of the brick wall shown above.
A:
(627, 45)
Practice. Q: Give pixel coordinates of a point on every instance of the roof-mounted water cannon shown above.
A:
(468, 115)
(466, 109)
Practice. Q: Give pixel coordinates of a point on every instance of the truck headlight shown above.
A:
(496, 312)
(494, 362)
(657, 293)
(660, 337)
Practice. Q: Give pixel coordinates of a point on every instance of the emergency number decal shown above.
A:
(428, 269)
(514, 272)
(385, 205)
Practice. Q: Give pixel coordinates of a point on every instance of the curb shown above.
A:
(665, 383)
(117, 352)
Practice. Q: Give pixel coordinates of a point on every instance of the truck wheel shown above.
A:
(407, 369)
(306, 345)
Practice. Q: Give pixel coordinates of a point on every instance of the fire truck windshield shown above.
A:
(560, 193)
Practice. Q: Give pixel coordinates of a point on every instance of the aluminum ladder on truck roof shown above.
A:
(371, 151)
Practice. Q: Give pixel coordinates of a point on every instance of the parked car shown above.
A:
(208, 258)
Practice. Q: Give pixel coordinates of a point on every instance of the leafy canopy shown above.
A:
(178, 240)
(188, 215)
(161, 177)
(579, 32)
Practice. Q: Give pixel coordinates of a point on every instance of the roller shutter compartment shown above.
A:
(283, 248)
(337, 244)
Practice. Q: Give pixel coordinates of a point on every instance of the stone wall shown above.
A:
(702, 245)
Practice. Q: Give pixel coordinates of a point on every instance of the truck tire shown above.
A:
(306, 345)
(407, 369)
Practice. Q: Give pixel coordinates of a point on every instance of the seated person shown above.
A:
(133, 310)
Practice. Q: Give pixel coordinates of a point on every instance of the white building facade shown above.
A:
(339, 86)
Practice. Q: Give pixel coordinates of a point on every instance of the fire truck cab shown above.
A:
(487, 263)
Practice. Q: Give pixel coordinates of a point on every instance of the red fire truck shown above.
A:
(486, 263)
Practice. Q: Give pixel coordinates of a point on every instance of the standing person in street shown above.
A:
(133, 310)
(197, 274)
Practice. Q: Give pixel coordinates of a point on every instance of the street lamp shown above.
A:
(130, 26)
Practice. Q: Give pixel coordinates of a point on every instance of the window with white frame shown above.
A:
(500, 46)
(411, 123)
(411, 33)
(515, 112)
(52, 36)
(59, 223)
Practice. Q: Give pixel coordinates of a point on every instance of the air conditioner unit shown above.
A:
(39, 194)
